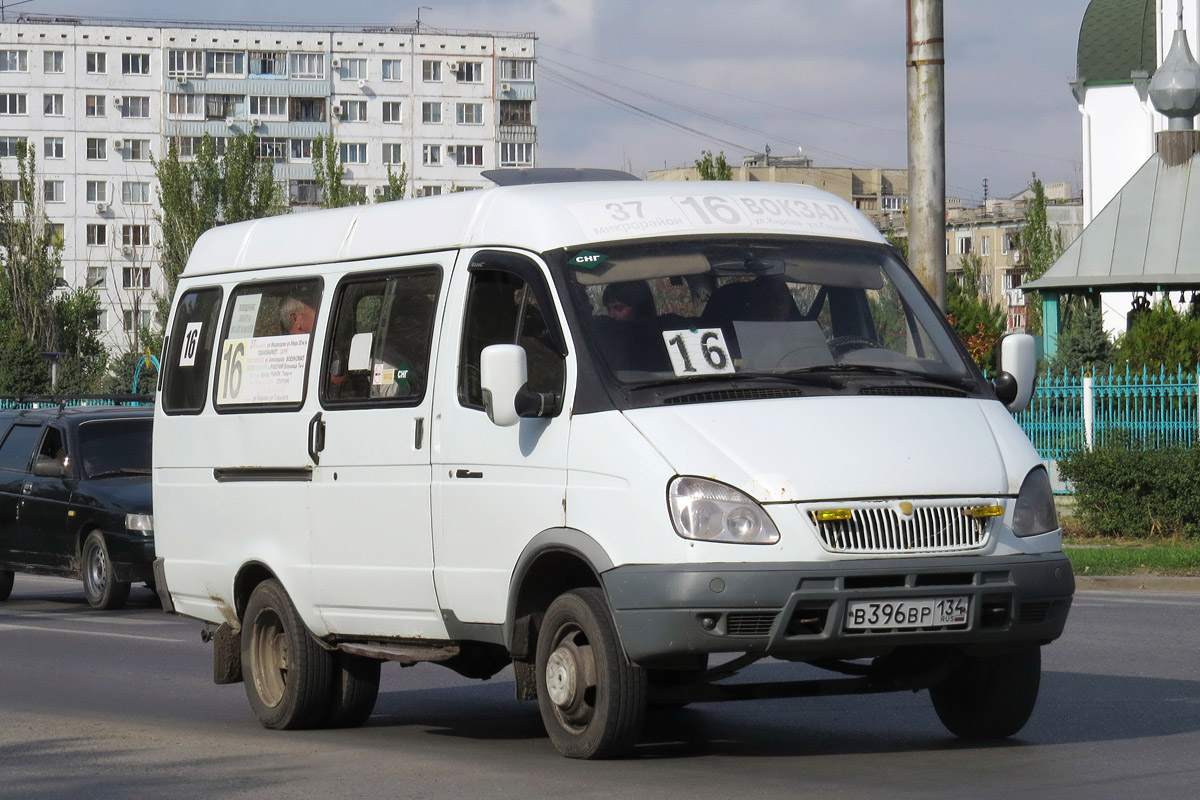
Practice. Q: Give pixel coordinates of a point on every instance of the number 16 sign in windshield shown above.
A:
(698, 352)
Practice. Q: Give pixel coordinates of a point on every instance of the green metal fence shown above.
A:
(50, 401)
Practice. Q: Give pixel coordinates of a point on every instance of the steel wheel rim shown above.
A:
(269, 660)
(96, 570)
(570, 678)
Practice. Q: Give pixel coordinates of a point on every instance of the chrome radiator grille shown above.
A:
(885, 528)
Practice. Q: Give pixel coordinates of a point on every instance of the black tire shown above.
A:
(99, 587)
(593, 701)
(6, 583)
(990, 698)
(352, 692)
(287, 673)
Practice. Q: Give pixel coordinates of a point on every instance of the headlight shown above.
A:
(713, 512)
(143, 523)
(1035, 512)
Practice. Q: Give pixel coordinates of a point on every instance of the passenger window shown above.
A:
(503, 309)
(189, 352)
(264, 351)
(381, 333)
(18, 447)
(54, 447)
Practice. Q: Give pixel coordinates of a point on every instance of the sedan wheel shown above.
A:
(99, 587)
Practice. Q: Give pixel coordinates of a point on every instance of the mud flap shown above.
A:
(227, 655)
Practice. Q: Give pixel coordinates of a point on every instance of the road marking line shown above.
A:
(4, 627)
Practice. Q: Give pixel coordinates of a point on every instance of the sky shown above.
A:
(639, 85)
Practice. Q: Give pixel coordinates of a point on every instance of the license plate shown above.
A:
(906, 614)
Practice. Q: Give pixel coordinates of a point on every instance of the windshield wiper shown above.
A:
(873, 369)
(122, 471)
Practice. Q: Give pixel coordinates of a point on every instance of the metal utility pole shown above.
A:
(925, 72)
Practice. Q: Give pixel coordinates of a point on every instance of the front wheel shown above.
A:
(287, 674)
(592, 700)
(991, 697)
(100, 588)
(6, 583)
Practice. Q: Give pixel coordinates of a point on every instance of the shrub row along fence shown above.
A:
(1074, 412)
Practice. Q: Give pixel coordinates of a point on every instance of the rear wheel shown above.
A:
(592, 700)
(6, 583)
(992, 697)
(353, 692)
(287, 674)
(100, 588)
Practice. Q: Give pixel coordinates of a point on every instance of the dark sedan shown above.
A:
(75, 498)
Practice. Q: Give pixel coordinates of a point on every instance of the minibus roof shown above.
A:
(538, 217)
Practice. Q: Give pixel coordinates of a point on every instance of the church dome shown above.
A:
(1116, 38)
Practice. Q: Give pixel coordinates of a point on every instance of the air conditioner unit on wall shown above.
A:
(101, 208)
(127, 250)
(181, 80)
(335, 63)
(256, 123)
(452, 66)
(118, 100)
(362, 84)
(118, 144)
(506, 87)
(380, 191)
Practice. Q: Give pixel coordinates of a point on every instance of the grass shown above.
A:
(1133, 557)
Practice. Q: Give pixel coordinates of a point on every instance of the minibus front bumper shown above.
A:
(800, 611)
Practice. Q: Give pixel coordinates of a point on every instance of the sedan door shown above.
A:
(45, 504)
(16, 455)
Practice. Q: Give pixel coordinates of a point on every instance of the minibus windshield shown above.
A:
(668, 311)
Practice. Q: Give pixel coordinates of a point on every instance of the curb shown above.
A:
(1124, 583)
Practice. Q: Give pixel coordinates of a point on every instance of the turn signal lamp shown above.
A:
(833, 514)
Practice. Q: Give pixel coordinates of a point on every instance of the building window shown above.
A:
(985, 245)
(52, 105)
(307, 109)
(272, 148)
(135, 235)
(54, 191)
(93, 105)
(893, 203)
(219, 62)
(96, 63)
(354, 110)
(302, 149)
(357, 194)
(307, 66)
(97, 191)
(303, 193)
(431, 113)
(135, 277)
(185, 63)
(469, 155)
(14, 61)
(56, 233)
(1008, 241)
(431, 155)
(139, 149)
(393, 69)
(431, 71)
(135, 193)
(429, 190)
(469, 72)
(392, 153)
(516, 154)
(135, 64)
(391, 112)
(516, 69)
(222, 106)
(97, 276)
(468, 113)
(12, 104)
(97, 149)
(52, 61)
(269, 107)
(264, 62)
(185, 105)
(96, 235)
(9, 145)
(516, 112)
(985, 283)
(12, 188)
(964, 245)
(141, 318)
(354, 153)
(353, 69)
(53, 147)
(135, 108)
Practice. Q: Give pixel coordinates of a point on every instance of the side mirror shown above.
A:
(1018, 371)
(503, 371)
(47, 467)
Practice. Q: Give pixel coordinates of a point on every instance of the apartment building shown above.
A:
(97, 100)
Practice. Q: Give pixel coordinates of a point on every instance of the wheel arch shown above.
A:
(248, 576)
(555, 561)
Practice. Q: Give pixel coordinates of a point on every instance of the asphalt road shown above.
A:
(121, 704)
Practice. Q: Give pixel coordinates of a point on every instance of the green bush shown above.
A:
(1127, 490)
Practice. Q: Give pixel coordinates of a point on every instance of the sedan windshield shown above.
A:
(787, 309)
(115, 447)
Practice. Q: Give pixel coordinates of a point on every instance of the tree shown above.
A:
(971, 313)
(84, 360)
(1040, 247)
(330, 174)
(22, 369)
(397, 182)
(713, 169)
(1161, 339)
(125, 366)
(31, 253)
(1083, 344)
(213, 189)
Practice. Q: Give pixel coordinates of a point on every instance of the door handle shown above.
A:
(27, 488)
(316, 437)
(466, 473)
